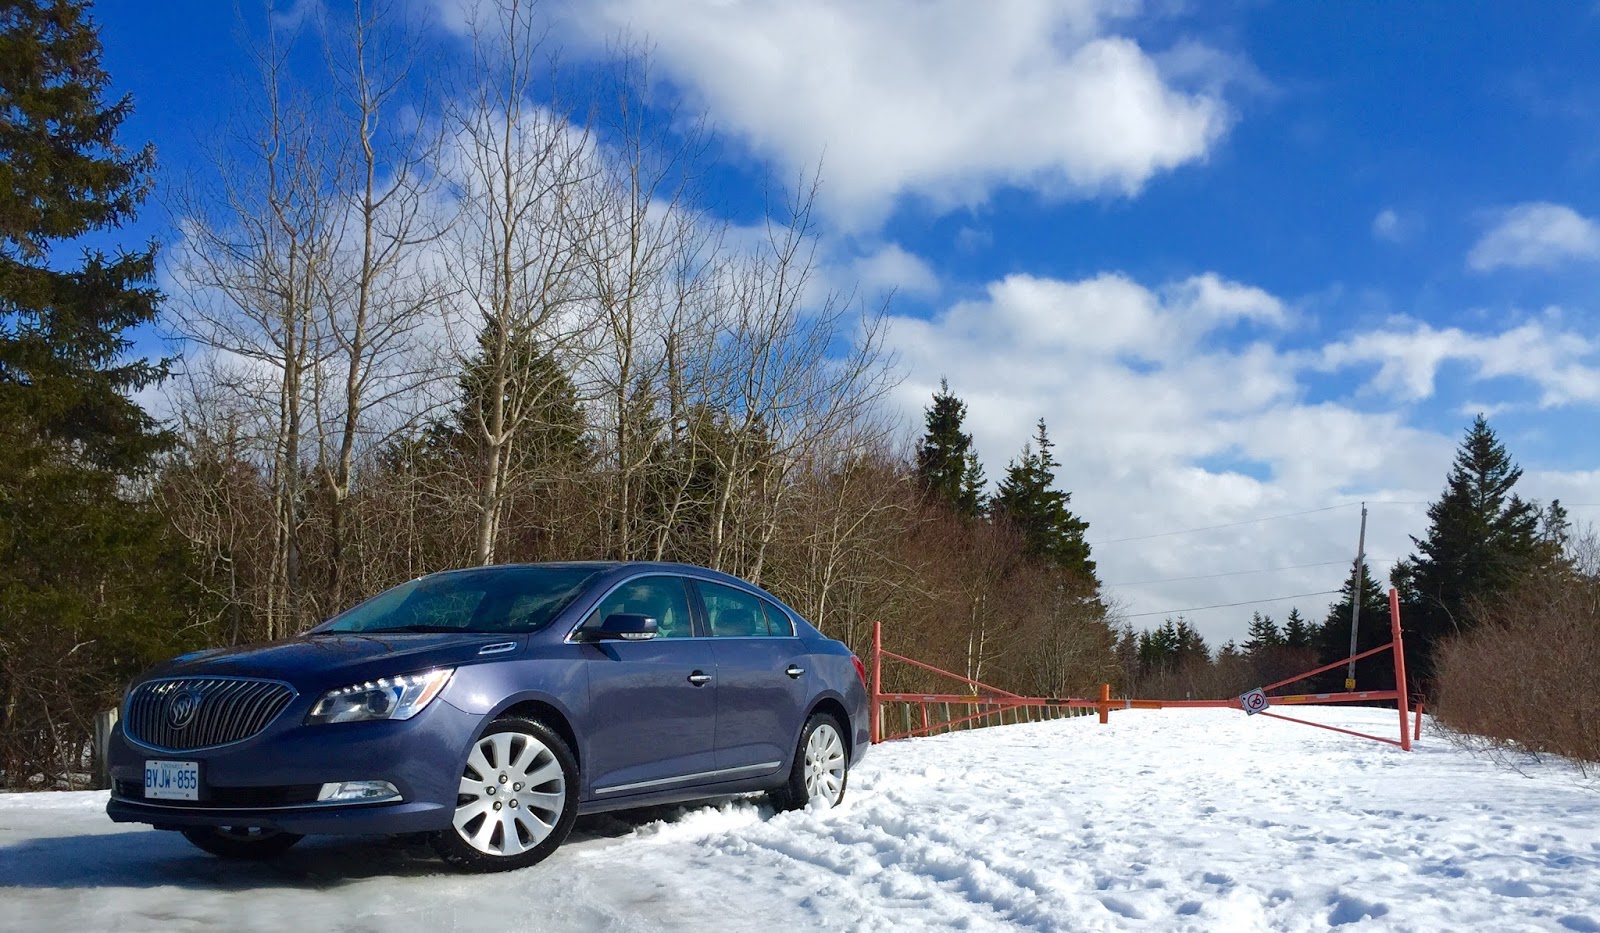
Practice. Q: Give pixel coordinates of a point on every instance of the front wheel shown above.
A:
(517, 799)
(821, 766)
(240, 842)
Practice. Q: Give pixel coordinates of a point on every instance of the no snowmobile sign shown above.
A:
(1254, 702)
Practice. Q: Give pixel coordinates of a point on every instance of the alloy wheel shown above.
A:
(824, 774)
(511, 796)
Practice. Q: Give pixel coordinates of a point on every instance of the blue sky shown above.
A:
(1247, 259)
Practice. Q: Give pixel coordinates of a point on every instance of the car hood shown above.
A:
(338, 660)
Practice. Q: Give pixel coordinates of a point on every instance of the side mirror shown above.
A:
(626, 626)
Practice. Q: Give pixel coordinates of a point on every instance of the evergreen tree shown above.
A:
(1171, 646)
(1333, 638)
(1297, 632)
(1191, 646)
(64, 366)
(1555, 530)
(91, 578)
(1481, 537)
(552, 433)
(946, 463)
(1027, 498)
(1264, 635)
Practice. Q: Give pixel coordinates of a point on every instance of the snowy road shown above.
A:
(1171, 820)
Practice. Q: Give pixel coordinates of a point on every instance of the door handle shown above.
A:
(699, 678)
(795, 670)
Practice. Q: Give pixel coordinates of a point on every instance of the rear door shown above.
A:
(652, 704)
(762, 681)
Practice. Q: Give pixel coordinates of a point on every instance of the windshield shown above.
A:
(492, 599)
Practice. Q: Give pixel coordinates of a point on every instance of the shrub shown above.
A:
(1526, 676)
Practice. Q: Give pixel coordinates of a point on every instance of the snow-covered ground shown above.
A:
(1170, 820)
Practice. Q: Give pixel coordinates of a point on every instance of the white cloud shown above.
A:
(1392, 226)
(1536, 235)
(973, 239)
(1386, 226)
(945, 100)
(1409, 356)
(891, 268)
(1188, 405)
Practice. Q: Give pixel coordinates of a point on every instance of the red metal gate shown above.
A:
(988, 700)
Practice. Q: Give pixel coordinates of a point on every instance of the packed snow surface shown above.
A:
(1163, 820)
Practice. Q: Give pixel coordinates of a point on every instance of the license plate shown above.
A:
(172, 780)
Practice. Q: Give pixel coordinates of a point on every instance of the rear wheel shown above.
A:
(821, 766)
(517, 799)
(241, 842)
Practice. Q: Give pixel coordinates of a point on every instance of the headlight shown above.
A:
(385, 698)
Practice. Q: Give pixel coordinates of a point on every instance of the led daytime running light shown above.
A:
(397, 697)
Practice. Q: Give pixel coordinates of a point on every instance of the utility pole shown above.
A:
(1355, 597)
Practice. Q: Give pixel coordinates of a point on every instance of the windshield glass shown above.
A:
(491, 599)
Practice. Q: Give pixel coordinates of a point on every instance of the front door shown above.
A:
(652, 704)
(762, 681)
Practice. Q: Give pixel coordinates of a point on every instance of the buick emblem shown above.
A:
(182, 707)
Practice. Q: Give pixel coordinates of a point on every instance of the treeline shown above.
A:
(1500, 607)
(428, 324)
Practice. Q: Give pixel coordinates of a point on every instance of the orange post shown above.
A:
(1401, 702)
(1105, 703)
(873, 713)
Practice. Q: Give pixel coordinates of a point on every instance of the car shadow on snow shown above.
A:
(146, 858)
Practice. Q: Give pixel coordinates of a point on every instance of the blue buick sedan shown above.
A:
(490, 707)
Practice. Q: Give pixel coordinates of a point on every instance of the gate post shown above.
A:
(1402, 702)
(104, 722)
(874, 714)
(1105, 703)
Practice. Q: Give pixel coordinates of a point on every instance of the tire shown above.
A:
(518, 798)
(821, 766)
(241, 842)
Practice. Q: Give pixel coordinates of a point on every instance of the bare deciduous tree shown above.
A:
(257, 249)
(524, 174)
(380, 292)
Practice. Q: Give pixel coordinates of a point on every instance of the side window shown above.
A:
(661, 598)
(733, 613)
(777, 620)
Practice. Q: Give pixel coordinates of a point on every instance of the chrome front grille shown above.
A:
(199, 712)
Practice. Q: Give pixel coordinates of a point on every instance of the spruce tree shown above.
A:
(92, 580)
(1333, 638)
(64, 366)
(1028, 499)
(1481, 537)
(946, 463)
(1297, 632)
(1264, 635)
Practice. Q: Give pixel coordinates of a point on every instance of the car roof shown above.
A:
(613, 567)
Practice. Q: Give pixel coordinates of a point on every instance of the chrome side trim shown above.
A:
(724, 772)
(497, 648)
(316, 805)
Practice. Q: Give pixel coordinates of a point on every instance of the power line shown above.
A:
(1233, 573)
(1248, 602)
(1249, 521)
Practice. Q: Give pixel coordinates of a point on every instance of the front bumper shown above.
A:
(335, 819)
(421, 757)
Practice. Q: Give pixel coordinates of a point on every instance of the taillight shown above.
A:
(861, 670)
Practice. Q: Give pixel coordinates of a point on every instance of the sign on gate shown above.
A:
(1254, 701)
